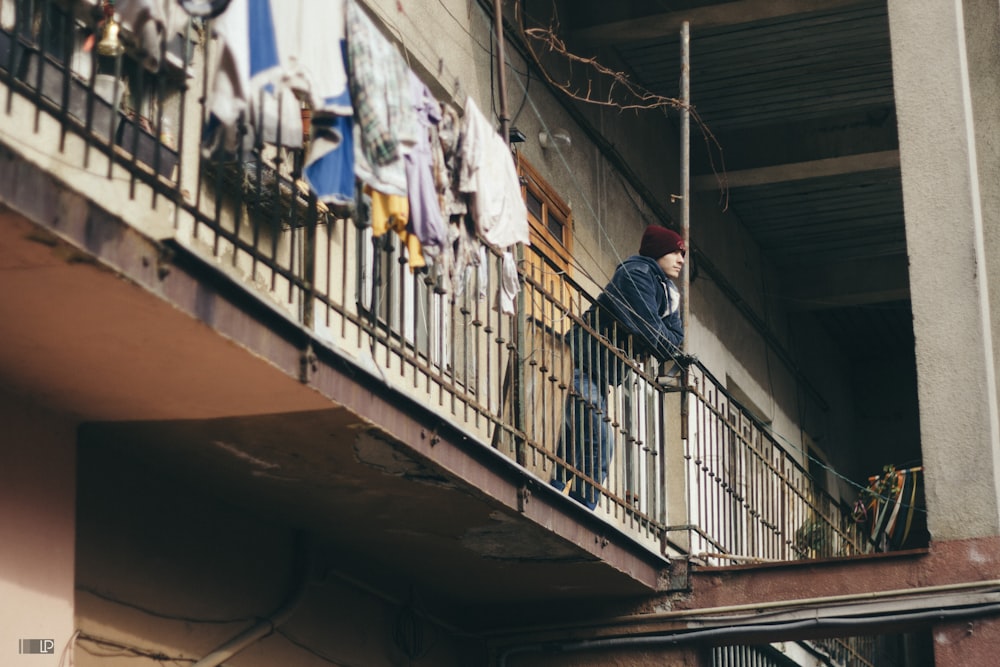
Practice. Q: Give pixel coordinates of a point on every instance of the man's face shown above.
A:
(672, 263)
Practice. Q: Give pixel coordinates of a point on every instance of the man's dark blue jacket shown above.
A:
(638, 312)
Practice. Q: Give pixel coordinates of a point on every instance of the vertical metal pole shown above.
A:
(517, 344)
(685, 171)
(501, 73)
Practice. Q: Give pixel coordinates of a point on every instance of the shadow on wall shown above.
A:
(165, 567)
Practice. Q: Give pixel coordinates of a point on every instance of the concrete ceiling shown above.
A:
(799, 95)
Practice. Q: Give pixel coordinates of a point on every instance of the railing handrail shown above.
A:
(793, 531)
(749, 414)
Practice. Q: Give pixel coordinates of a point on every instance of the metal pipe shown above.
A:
(754, 609)
(276, 619)
(501, 73)
(762, 631)
(685, 173)
(517, 334)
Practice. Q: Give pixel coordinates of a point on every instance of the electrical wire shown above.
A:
(291, 639)
(165, 615)
(119, 649)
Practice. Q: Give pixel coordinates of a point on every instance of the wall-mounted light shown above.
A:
(549, 139)
(516, 136)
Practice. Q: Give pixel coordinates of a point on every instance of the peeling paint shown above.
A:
(378, 453)
(506, 539)
(975, 556)
(263, 474)
(243, 456)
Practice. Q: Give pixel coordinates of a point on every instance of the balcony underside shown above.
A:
(174, 372)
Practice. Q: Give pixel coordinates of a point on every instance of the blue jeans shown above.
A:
(591, 446)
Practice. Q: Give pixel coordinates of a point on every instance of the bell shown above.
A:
(110, 45)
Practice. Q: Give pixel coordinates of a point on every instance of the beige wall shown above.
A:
(982, 28)
(947, 227)
(37, 507)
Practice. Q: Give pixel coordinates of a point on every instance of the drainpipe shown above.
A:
(501, 73)
(301, 573)
(518, 333)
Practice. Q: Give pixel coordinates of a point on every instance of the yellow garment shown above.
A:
(392, 212)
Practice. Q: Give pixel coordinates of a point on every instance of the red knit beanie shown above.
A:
(659, 241)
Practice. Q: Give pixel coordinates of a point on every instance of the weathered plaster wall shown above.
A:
(37, 530)
(950, 275)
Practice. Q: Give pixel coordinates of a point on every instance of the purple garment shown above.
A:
(425, 209)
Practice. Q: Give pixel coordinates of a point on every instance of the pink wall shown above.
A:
(37, 532)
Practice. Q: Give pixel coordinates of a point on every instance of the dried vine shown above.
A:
(622, 93)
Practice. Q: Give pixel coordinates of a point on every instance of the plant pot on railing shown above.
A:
(134, 138)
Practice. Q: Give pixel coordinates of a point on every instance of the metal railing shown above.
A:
(750, 499)
(862, 651)
(691, 471)
(844, 652)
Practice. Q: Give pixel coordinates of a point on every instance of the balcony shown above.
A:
(695, 475)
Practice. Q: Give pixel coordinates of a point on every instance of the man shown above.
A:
(637, 313)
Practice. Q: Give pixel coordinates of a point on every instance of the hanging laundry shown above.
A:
(460, 240)
(310, 35)
(425, 209)
(890, 508)
(385, 122)
(329, 168)
(461, 249)
(8, 18)
(392, 213)
(488, 176)
(510, 285)
(243, 90)
(472, 273)
(446, 159)
(270, 55)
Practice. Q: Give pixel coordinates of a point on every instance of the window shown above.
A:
(546, 295)
(549, 217)
(549, 261)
